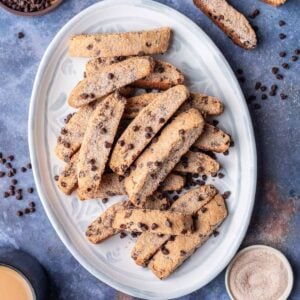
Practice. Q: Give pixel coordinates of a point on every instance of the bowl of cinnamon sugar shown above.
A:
(259, 272)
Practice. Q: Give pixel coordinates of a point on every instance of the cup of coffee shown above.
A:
(21, 276)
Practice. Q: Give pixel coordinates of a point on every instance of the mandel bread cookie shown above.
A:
(213, 139)
(67, 180)
(151, 220)
(231, 21)
(197, 163)
(120, 44)
(71, 135)
(275, 2)
(156, 162)
(163, 77)
(177, 250)
(109, 79)
(191, 202)
(97, 143)
(145, 126)
(207, 105)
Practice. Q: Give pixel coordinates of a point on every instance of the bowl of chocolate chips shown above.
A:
(29, 8)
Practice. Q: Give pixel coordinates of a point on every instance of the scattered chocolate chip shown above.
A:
(279, 76)
(274, 87)
(32, 209)
(103, 130)
(226, 152)
(19, 213)
(161, 120)
(282, 36)
(30, 190)
(6, 194)
(148, 135)
(272, 93)
(84, 96)
(275, 70)
(297, 52)
(221, 175)
(21, 34)
(94, 168)
(104, 200)
(148, 44)
(31, 204)
(255, 13)
(294, 58)
(281, 23)
(11, 157)
(19, 196)
(27, 210)
(226, 194)
(10, 173)
(143, 226)
(110, 75)
(216, 233)
(257, 85)
(181, 131)
(285, 65)
(123, 235)
(264, 96)
(136, 128)
(182, 253)
(14, 181)
(8, 165)
(282, 54)
(283, 96)
(2, 174)
(56, 177)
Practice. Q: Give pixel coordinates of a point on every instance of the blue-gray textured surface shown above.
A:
(276, 217)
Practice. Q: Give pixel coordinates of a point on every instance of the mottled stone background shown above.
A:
(276, 219)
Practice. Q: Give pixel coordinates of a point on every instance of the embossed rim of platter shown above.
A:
(47, 206)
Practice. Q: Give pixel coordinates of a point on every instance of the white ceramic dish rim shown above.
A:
(51, 215)
(277, 253)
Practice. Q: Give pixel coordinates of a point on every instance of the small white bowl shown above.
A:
(272, 250)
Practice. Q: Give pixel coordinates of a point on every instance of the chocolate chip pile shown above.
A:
(27, 5)
(8, 172)
(279, 72)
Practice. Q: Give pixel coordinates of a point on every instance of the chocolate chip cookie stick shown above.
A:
(197, 163)
(159, 158)
(145, 126)
(176, 251)
(109, 79)
(97, 143)
(120, 44)
(207, 105)
(149, 243)
(213, 139)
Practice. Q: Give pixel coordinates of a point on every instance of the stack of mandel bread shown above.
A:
(120, 141)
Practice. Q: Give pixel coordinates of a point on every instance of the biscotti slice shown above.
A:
(145, 126)
(149, 243)
(197, 163)
(176, 251)
(97, 143)
(172, 182)
(109, 79)
(71, 136)
(207, 105)
(231, 21)
(213, 139)
(275, 2)
(159, 158)
(120, 44)
(156, 221)
(101, 228)
(67, 179)
(163, 77)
